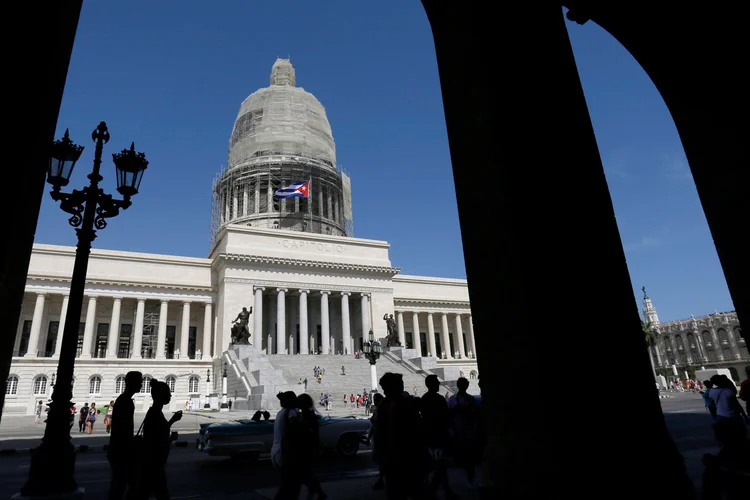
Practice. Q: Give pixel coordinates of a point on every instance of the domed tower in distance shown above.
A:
(281, 140)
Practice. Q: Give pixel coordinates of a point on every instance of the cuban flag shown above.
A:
(294, 190)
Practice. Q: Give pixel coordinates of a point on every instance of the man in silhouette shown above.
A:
(400, 443)
(121, 454)
(436, 420)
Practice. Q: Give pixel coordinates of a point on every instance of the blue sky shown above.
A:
(171, 75)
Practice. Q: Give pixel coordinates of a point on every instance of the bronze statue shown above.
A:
(241, 327)
(392, 338)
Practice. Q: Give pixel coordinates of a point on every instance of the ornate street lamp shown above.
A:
(53, 462)
(207, 404)
(224, 402)
(372, 350)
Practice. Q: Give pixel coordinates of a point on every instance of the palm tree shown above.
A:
(650, 335)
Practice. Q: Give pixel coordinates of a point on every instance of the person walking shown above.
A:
(121, 453)
(38, 413)
(108, 417)
(437, 432)
(156, 444)
(82, 416)
(91, 419)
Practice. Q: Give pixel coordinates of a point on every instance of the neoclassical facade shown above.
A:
(711, 341)
(313, 288)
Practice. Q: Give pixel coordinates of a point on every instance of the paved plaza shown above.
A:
(194, 475)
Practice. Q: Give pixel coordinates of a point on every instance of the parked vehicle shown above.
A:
(252, 439)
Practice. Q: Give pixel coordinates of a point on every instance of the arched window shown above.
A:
(119, 385)
(741, 343)
(11, 386)
(193, 385)
(171, 382)
(694, 351)
(680, 345)
(146, 385)
(726, 348)
(95, 385)
(40, 385)
(473, 375)
(708, 346)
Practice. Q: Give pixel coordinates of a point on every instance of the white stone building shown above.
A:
(315, 292)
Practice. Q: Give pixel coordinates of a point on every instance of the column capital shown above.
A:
(365, 294)
(282, 290)
(429, 314)
(324, 292)
(208, 303)
(256, 288)
(92, 297)
(117, 297)
(164, 301)
(302, 290)
(345, 294)
(41, 294)
(141, 299)
(186, 302)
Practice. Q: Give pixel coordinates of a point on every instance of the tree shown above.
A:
(650, 336)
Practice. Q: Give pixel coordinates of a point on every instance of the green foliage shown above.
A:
(650, 334)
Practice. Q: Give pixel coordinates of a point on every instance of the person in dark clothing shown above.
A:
(372, 435)
(83, 415)
(156, 444)
(436, 422)
(400, 441)
(307, 433)
(121, 454)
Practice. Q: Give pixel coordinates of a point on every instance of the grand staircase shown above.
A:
(254, 378)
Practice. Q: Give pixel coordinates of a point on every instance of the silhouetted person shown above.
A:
(256, 416)
(372, 436)
(709, 404)
(306, 435)
(436, 421)
(725, 474)
(156, 443)
(266, 416)
(745, 390)
(83, 415)
(465, 423)
(730, 416)
(399, 441)
(121, 444)
(283, 452)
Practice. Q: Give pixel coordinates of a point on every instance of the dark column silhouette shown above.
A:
(694, 64)
(42, 41)
(540, 244)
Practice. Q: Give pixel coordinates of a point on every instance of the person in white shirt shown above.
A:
(730, 416)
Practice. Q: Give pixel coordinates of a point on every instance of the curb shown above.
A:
(83, 448)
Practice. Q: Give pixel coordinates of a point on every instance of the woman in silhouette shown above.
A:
(307, 431)
(156, 444)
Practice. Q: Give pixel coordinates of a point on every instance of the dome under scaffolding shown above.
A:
(282, 136)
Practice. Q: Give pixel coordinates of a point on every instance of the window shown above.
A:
(171, 382)
(193, 385)
(123, 349)
(11, 386)
(52, 332)
(81, 329)
(95, 385)
(100, 345)
(40, 385)
(170, 341)
(119, 385)
(192, 338)
(146, 385)
(25, 334)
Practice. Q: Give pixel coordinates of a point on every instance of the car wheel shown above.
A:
(348, 445)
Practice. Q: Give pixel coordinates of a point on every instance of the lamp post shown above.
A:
(372, 349)
(224, 402)
(53, 463)
(207, 404)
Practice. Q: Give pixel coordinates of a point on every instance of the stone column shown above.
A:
(304, 337)
(257, 338)
(185, 331)
(460, 336)
(280, 320)
(365, 304)
(733, 343)
(472, 342)
(257, 196)
(135, 351)
(88, 330)
(346, 333)
(431, 336)
(36, 326)
(207, 314)
(114, 329)
(161, 337)
(325, 330)
(271, 333)
(445, 336)
(401, 332)
(61, 328)
(415, 334)
(718, 348)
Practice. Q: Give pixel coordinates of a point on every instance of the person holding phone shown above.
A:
(157, 439)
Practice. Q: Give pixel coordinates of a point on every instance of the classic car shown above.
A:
(253, 438)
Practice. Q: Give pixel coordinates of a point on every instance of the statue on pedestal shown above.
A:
(241, 327)
(392, 338)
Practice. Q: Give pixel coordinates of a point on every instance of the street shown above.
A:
(193, 474)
